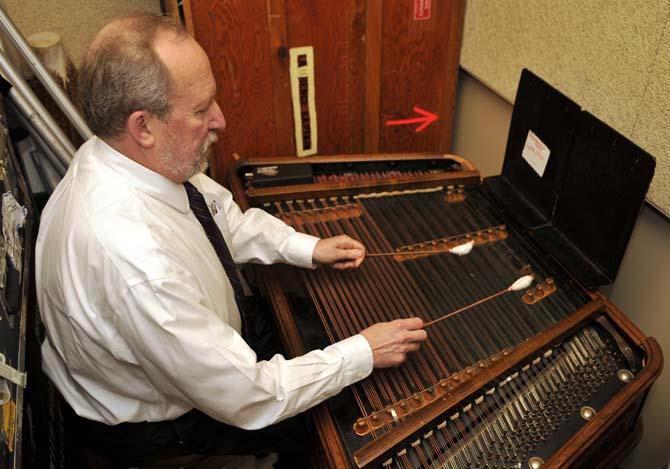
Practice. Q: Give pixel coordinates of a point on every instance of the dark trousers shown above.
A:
(130, 444)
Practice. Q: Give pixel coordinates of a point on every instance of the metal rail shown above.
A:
(30, 105)
(44, 76)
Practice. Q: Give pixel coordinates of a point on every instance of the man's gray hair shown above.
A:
(121, 73)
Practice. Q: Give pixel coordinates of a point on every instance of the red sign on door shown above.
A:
(421, 10)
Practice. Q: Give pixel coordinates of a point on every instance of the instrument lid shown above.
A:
(572, 182)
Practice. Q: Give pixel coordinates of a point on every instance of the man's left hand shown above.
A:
(341, 252)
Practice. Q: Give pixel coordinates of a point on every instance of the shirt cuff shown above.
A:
(300, 250)
(357, 358)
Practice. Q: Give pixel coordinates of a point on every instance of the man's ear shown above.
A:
(140, 129)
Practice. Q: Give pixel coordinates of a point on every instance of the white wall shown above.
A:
(76, 21)
(611, 57)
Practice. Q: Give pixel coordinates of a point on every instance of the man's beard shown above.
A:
(205, 148)
(173, 162)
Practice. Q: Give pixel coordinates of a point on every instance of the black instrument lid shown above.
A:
(583, 206)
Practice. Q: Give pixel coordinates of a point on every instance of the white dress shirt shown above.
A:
(141, 319)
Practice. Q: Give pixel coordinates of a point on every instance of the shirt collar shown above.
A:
(142, 178)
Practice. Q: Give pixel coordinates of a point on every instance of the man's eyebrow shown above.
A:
(205, 101)
(210, 98)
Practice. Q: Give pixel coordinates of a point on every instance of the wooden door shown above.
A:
(374, 61)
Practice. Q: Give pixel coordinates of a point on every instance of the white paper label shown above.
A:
(13, 218)
(536, 153)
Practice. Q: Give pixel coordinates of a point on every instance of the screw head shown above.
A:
(587, 412)
(624, 375)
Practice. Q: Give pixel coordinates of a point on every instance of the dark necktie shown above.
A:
(199, 207)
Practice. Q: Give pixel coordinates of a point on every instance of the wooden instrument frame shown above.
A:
(469, 175)
(621, 411)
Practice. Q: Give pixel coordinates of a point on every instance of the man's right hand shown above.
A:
(392, 341)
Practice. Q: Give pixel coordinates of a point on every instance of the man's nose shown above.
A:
(218, 121)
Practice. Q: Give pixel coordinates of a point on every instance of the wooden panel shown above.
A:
(327, 26)
(449, 74)
(372, 62)
(418, 68)
(279, 58)
(235, 36)
(372, 74)
(357, 76)
(188, 17)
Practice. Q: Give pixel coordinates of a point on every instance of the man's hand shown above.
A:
(341, 252)
(392, 341)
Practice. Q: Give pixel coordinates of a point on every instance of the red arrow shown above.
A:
(426, 119)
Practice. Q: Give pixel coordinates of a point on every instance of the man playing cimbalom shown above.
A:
(136, 281)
